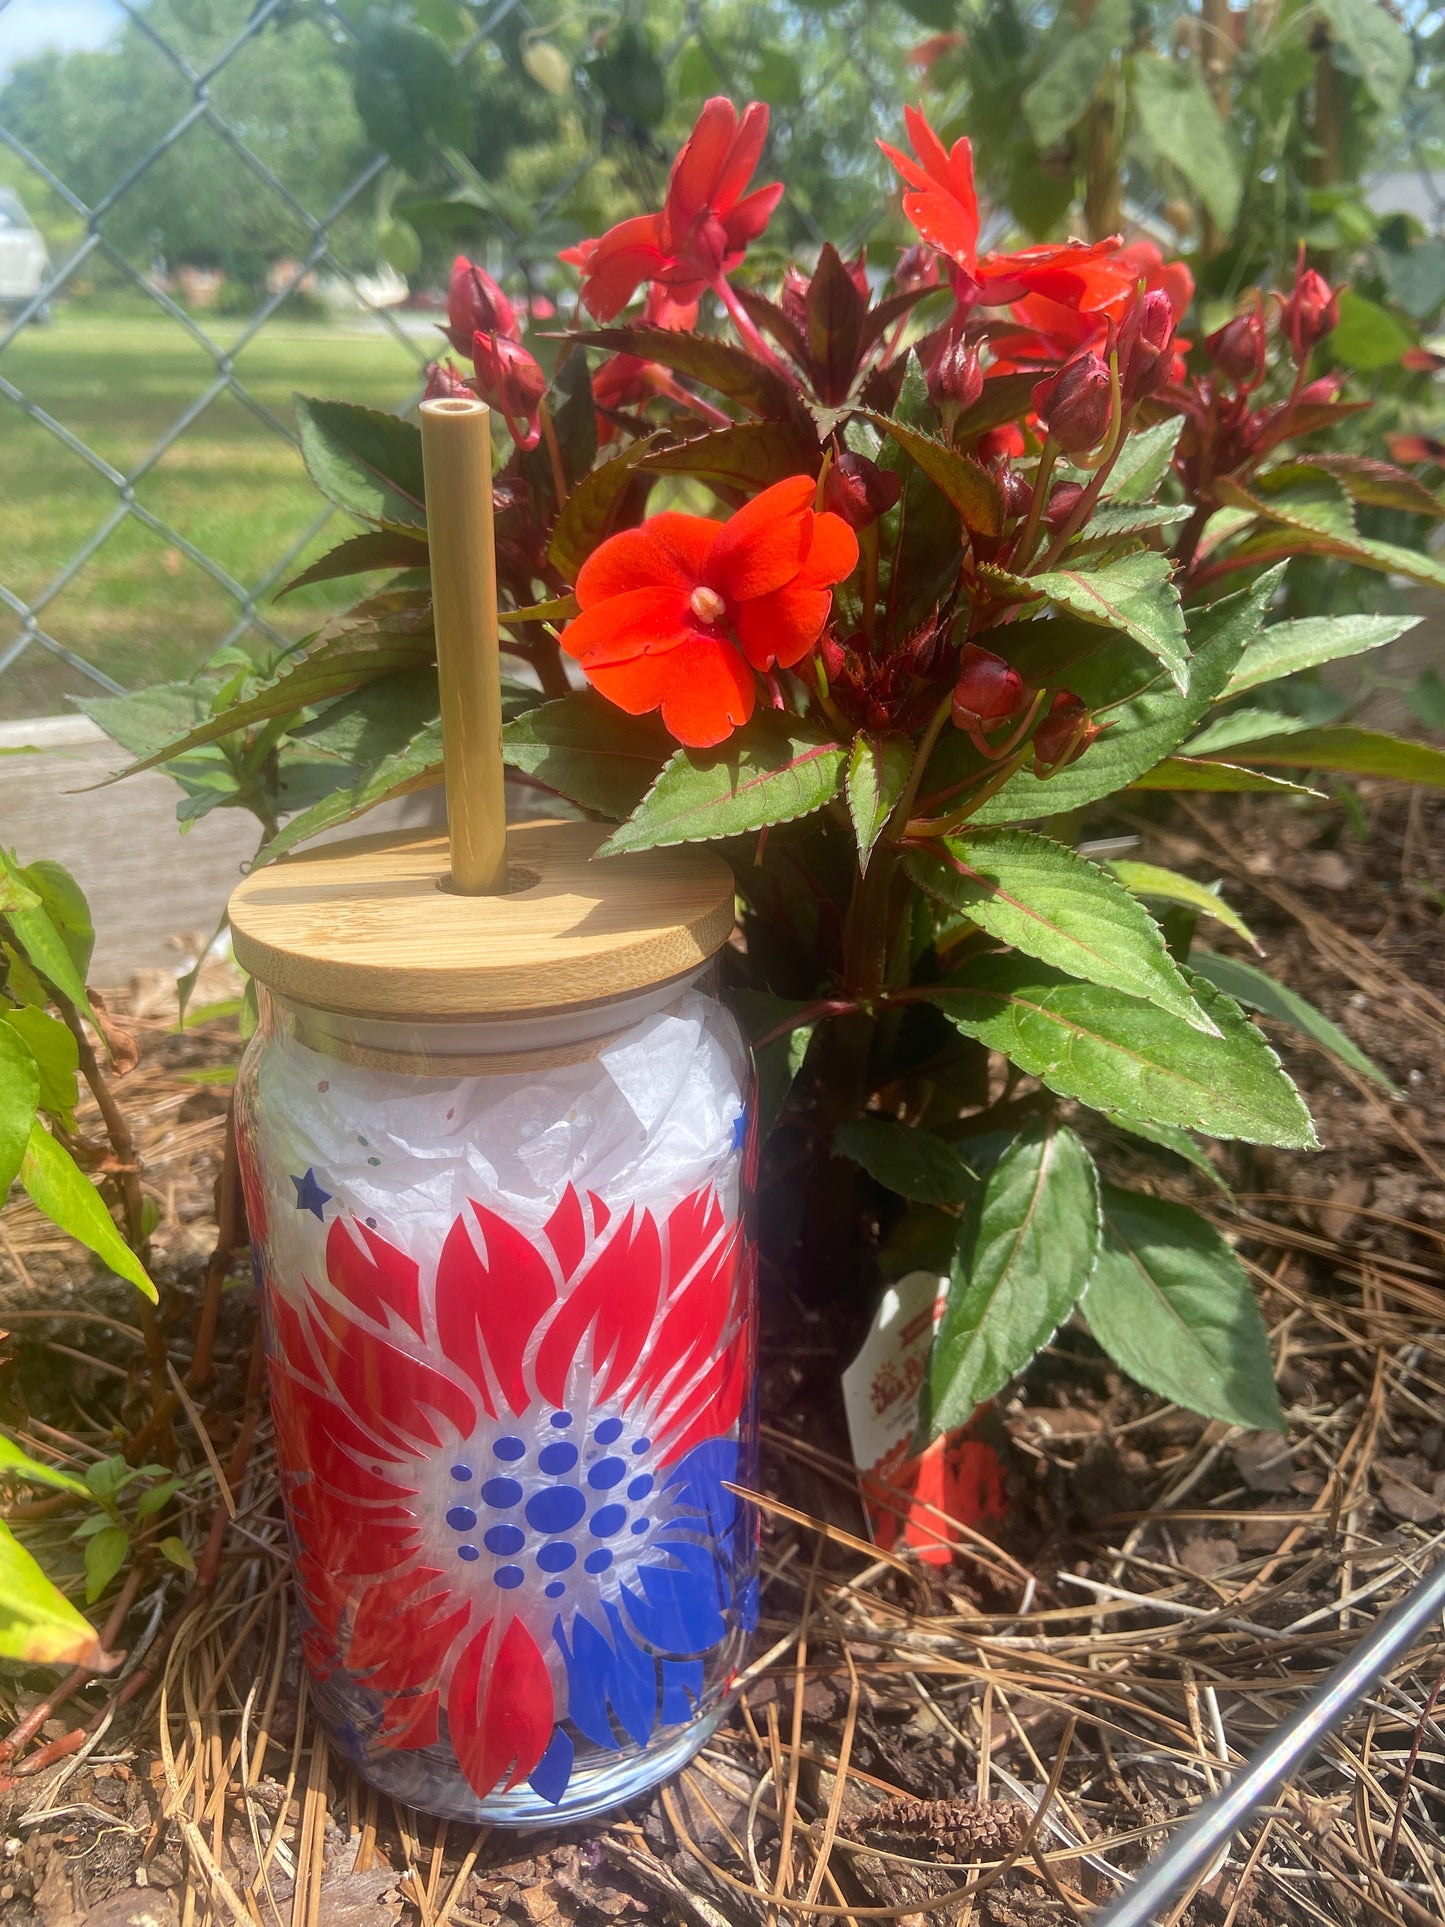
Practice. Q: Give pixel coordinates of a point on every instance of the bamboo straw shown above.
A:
(456, 446)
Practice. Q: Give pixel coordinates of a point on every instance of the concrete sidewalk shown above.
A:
(156, 895)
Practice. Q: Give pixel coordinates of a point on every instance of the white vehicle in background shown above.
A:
(24, 259)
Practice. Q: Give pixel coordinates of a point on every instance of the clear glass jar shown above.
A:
(510, 1310)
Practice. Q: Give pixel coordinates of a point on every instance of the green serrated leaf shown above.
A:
(1151, 723)
(105, 1554)
(20, 1465)
(779, 1045)
(57, 1186)
(57, 1057)
(1049, 902)
(43, 944)
(416, 765)
(1168, 1137)
(907, 1160)
(773, 771)
(1153, 880)
(1143, 462)
(1181, 123)
(1285, 648)
(19, 1096)
(1136, 595)
(1379, 44)
(177, 1552)
(364, 460)
(749, 456)
(1242, 726)
(586, 516)
(1024, 1258)
(1264, 993)
(1171, 1303)
(156, 1498)
(1355, 752)
(589, 751)
(1118, 1053)
(973, 491)
(64, 901)
(731, 371)
(878, 768)
(1202, 773)
(38, 1624)
(375, 549)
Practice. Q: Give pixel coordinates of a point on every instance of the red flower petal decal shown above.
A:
(501, 1712)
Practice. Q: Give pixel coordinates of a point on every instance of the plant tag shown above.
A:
(912, 1499)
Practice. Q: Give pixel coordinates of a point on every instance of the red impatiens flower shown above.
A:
(706, 223)
(940, 199)
(679, 614)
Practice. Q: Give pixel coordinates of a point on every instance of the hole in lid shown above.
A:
(519, 878)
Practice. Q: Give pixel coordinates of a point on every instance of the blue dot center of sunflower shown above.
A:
(528, 1525)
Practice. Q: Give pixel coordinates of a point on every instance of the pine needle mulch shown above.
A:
(996, 1744)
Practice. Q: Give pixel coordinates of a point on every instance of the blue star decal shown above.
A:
(310, 1196)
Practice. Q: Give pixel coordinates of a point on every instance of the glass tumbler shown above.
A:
(509, 1305)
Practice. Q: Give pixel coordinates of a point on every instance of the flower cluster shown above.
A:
(1027, 370)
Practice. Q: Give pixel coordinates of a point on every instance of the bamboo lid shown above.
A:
(369, 927)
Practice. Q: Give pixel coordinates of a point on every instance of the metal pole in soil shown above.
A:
(1196, 1844)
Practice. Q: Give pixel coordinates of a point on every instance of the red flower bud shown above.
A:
(476, 305)
(1238, 349)
(1064, 734)
(954, 378)
(1064, 498)
(835, 656)
(1075, 405)
(794, 297)
(859, 490)
(444, 381)
(917, 268)
(1145, 341)
(1017, 494)
(509, 379)
(989, 690)
(1311, 310)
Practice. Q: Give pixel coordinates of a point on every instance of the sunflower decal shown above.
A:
(510, 1485)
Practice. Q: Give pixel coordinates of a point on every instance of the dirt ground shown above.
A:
(996, 1744)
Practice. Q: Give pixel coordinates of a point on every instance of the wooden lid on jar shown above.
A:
(371, 927)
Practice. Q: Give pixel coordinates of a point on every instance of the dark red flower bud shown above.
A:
(509, 379)
(1075, 405)
(1145, 341)
(917, 268)
(1017, 494)
(1238, 349)
(1064, 734)
(794, 297)
(859, 490)
(1311, 310)
(476, 306)
(444, 380)
(1064, 498)
(835, 656)
(1326, 389)
(989, 690)
(955, 379)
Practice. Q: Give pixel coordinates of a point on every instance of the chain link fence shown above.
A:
(88, 622)
(120, 562)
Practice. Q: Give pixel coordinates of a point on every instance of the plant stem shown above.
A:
(868, 549)
(1028, 535)
(743, 322)
(554, 451)
(922, 828)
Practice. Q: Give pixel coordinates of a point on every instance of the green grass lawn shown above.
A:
(139, 608)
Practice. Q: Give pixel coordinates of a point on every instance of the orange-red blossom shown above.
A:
(683, 613)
